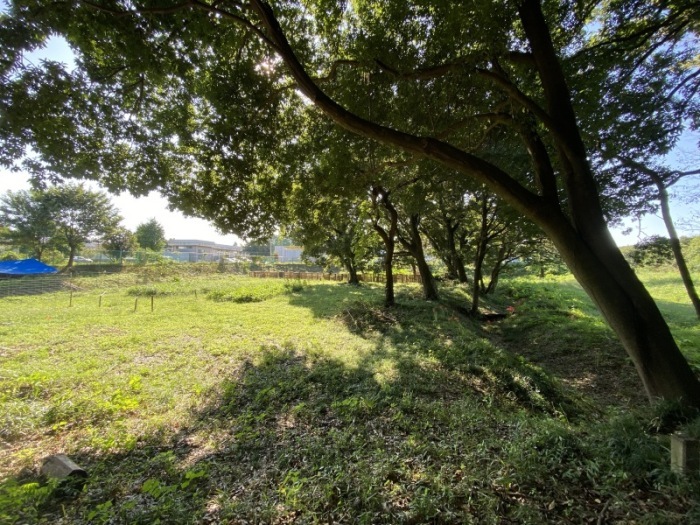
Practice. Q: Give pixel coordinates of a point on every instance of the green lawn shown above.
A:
(264, 401)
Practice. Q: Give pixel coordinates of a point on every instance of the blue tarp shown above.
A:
(25, 267)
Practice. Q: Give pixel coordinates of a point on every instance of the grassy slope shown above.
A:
(260, 401)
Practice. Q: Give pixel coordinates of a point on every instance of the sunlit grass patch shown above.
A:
(315, 404)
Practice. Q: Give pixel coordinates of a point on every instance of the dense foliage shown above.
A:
(150, 235)
(62, 217)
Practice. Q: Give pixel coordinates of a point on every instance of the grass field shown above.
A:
(220, 399)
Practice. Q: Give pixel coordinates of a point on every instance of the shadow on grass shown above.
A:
(300, 438)
(295, 436)
(553, 327)
(435, 425)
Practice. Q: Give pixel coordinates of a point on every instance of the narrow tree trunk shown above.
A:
(660, 183)
(71, 256)
(457, 264)
(389, 299)
(676, 246)
(388, 237)
(482, 243)
(496, 271)
(461, 271)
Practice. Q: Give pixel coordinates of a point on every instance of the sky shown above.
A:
(136, 211)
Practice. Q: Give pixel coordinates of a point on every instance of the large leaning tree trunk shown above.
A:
(586, 245)
(581, 235)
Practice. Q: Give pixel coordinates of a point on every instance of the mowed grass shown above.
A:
(267, 401)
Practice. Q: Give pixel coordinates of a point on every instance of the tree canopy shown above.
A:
(29, 221)
(216, 104)
(151, 235)
(64, 217)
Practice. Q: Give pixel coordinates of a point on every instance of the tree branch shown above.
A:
(499, 181)
(518, 96)
(198, 4)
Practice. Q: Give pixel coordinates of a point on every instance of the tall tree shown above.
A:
(331, 228)
(120, 241)
(30, 221)
(80, 216)
(159, 82)
(150, 235)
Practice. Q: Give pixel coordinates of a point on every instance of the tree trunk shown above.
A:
(480, 255)
(456, 263)
(71, 256)
(388, 237)
(447, 250)
(582, 239)
(476, 287)
(389, 299)
(633, 315)
(588, 248)
(676, 245)
(496, 271)
(352, 271)
(660, 183)
(415, 248)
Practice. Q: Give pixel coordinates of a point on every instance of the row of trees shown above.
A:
(65, 217)
(559, 109)
(464, 230)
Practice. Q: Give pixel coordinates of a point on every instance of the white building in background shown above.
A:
(194, 250)
(288, 253)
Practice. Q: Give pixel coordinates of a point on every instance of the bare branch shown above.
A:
(333, 72)
(682, 83)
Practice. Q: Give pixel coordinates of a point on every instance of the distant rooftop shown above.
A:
(198, 242)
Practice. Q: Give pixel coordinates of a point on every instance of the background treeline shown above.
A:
(53, 224)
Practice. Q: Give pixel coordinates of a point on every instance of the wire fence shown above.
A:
(87, 278)
(34, 285)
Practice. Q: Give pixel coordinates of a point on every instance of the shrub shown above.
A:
(10, 256)
(652, 251)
